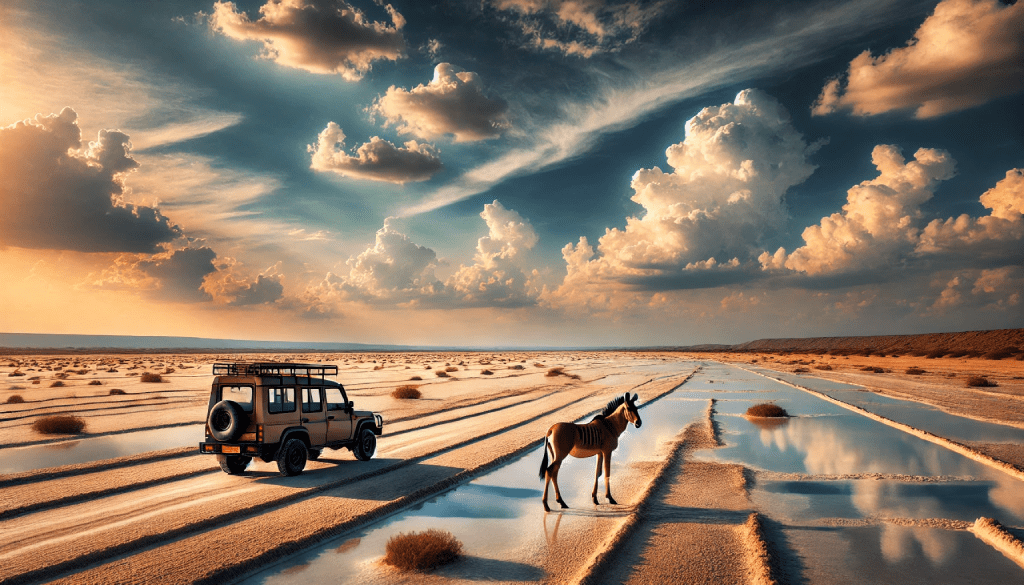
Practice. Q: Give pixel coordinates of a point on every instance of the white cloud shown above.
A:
(452, 103)
(319, 36)
(57, 194)
(724, 195)
(878, 222)
(376, 160)
(966, 234)
(966, 53)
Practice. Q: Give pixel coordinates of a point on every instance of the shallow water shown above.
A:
(18, 459)
(496, 516)
(915, 414)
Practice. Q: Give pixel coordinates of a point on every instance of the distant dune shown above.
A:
(965, 341)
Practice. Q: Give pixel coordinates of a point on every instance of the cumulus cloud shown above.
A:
(966, 53)
(174, 275)
(397, 271)
(452, 103)
(319, 36)
(724, 195)
(57, 194)
(226, 285)
(376, 160)
(878, 222)
(580, 27)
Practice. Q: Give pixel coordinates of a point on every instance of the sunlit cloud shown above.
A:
(319, 36)
(966, 53)
(452, 103)
(376, 160)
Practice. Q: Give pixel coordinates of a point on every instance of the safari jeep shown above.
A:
(283, 412)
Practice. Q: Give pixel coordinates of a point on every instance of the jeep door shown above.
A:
(313, 416)
(339, 420)
(281, 412)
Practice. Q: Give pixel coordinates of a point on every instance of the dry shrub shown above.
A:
(57, 384)
(422, 551)
(95, 383)
(168, 370)
(915, 371)
(15, 399)
(486, 372)
(556, 371)
(767, 410)
(935, 353)
(874, 369)
(800, 370)
(427, 367)
(441, 373)
(414, 378)
(15, 374)
(825, 367)
(150, 377)
(1000, 354)
(378, 367)
(117, 392)
(517, 367)
(957, 353)
(451, 369)
(406, 392)
(980, 382)
(539, 365)
(59, 424)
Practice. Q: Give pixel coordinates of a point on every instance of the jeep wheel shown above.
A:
(366, 445)
(227, 421)
(291, 459)
(234, 464)
(313, 454)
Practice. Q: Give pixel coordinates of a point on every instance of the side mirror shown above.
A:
(350, 406)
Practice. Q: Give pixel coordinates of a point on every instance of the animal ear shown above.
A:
(626, 397)
(635, 397)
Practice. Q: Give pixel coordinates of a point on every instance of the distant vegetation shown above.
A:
(150, 377)
(422, 551)
(560, 371)
(980, 381)
(915, 371)
(15, 399)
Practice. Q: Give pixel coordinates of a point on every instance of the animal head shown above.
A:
(632, 414)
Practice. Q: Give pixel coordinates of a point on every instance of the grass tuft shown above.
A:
(486, 372)
(451, 369)
(914, 371)
(117, 392)
(57, 384)
(980, 382)
(441, 373)
(406, 392)
(59, 424)
(15, 399)
(767, 410)
(95, 383)
(414, 378)
(422, 551)
(150, 377)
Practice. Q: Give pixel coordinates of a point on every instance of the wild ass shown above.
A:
(598, 437)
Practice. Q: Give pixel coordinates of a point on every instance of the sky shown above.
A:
(511, 172)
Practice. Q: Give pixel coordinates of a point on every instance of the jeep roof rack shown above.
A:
(274, 369)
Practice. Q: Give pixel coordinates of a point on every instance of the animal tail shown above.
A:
(544, 462)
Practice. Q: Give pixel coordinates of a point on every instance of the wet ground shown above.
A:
(847, 499)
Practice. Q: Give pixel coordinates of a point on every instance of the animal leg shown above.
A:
(554, 481)
(607, 478)
(597, 476)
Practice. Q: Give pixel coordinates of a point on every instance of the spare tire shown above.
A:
(227, 420)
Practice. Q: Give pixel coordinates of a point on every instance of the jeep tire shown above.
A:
(291, 458)
(366, 445)
(234, 464)
(227, 421)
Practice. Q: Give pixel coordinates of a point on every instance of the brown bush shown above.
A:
(15, 374)
(451, 369)
(15, 399)
(556, 371)
(486, 372)
(150, 377)
(767, 410)
(980, 382)
(539, 365)
(800, 370)
(824, 367)
(168, 370)
(406, 392)
(57, 384)
(59, 424)
(441, 373)
(414, 378)
(117, 392)
(935, 353)
(517, 367)
(1000, 354)
(422, 551)
(915, 371)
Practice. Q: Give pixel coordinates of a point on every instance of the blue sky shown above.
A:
(548, 172)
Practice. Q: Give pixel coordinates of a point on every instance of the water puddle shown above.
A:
(915, 414)
(497, 516)
(18, 459)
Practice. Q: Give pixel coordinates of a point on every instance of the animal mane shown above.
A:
(612, 405)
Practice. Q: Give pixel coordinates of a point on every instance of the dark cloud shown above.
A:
(265, 289)
(57, 195)
(180, 274)
(319, 36)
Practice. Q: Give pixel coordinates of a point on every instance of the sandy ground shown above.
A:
(173, 517)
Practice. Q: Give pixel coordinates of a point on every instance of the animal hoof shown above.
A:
(596, 503)
(546, 508)
(611, 500)
(563, 504)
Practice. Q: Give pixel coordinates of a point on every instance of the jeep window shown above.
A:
(335, 401)
(240, 394)
(311, 400)
(280, 400)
